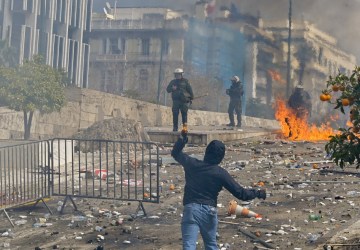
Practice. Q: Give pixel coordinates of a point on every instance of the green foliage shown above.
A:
(32, 86)
(345, 146)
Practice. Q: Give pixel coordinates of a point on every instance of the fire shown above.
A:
(298, 129)
(276, 76)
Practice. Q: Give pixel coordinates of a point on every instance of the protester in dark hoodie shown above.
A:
(204, 180)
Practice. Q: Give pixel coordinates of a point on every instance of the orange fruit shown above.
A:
(341, 87)
(345, 102)
(335, 88)
(328, 97)
(146, 195)
(172, 187)
(323, 97)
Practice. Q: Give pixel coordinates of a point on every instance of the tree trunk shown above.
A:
(27, 124)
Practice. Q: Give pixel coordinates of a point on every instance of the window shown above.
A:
(58, 10)
(166, 46)
(145, 47)
(104, 46)
(123, 44)
(114, 46)
(63, 11)
(18, 5)
(143, 79)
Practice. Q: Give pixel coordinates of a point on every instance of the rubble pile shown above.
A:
(115, 129)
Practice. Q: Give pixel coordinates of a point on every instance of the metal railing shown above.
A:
(103, 169)
(138, 24)
(24, 174)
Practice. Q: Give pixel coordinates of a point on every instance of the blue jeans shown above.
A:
(203, 218)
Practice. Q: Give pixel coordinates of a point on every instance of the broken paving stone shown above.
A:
(100, 237)
(127, 229)
(20, 222)
(280, 232)
(153, 217)
(312, 238)
(8, 234)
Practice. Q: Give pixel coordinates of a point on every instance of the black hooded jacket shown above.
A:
(205, 179)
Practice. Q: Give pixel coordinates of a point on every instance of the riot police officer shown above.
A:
(182, 95)
(235, 92)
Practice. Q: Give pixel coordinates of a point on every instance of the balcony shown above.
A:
(108, 57)
(130, 57)
(103, 24)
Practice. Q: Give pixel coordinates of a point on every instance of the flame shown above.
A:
(349, 124)
(299, 128)
(276, 76)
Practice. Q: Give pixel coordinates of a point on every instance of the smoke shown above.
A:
(338, 18)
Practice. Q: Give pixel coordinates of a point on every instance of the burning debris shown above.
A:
(297, 128)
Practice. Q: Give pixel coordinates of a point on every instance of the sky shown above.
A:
(339, 18)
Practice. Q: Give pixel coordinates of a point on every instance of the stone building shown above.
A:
(135, 50)
(314, 57)
(56, 29)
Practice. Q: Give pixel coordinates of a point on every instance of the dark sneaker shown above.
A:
(230, 125)
(238, 126)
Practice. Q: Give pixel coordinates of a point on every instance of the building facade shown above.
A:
(135, 50)
(56, 29)
(315, 56)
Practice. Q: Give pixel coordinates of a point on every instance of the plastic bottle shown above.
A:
(79, 218)
(314, 217)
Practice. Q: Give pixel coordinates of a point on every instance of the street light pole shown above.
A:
(115, 9)
(289, 53)
(161, 59)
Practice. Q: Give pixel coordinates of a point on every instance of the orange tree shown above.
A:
(344, 147)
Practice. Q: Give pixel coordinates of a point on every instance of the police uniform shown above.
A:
(182, 95)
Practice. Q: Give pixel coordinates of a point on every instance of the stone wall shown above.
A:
(86, 106)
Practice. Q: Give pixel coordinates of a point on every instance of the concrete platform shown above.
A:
(203, 135)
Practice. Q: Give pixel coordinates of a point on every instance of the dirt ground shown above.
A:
(297, 188)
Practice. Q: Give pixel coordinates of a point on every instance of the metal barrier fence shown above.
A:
(103, 169)
(117, 170)
(24, 174)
